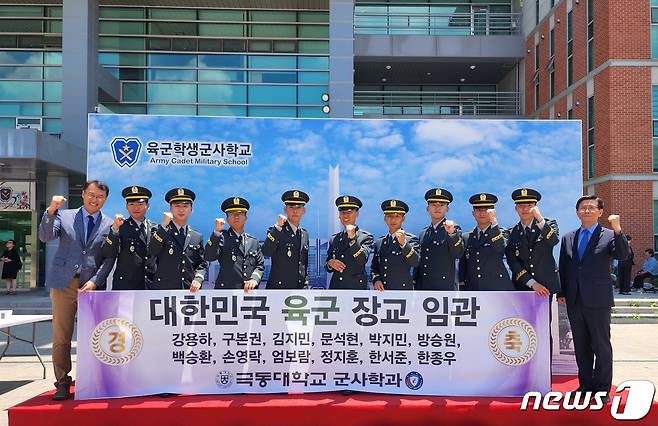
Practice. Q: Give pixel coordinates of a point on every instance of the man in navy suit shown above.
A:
(78, 267)
(585, 259)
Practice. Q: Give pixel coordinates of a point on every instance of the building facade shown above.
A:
(588, 59)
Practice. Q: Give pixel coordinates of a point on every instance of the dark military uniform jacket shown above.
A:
(289, 253)
(129, 247)
(482, 267)
(240, 259)
(354, 257)
(392, 264)
(531, 257)
(176, 263)
(439, 252)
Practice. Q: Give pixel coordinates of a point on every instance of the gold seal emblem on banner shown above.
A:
(513, 341)
(181, 191)
(116, 341)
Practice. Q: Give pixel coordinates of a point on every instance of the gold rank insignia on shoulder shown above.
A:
(270, 237)
(181, 191)
(157, 237)
(134, 190)
(171, 251)
(209, 243)
(107, 240)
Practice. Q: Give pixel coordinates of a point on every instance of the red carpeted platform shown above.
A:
(331, 408)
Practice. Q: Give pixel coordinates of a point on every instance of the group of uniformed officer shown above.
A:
(172, 255)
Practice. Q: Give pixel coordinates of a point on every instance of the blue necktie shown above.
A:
(90, 227)
(583, 243)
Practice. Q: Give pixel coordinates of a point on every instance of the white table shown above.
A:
(15, 320)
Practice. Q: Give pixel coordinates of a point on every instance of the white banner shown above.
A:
(16, 196)
(421, 343)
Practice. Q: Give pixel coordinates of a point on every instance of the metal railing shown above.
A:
(377, 103)
(475, 23)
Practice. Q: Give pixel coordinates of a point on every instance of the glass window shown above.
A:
(170, 75)
(222, 15)
(123, 109)
(313, 16)
(226, 111)
(222, 30)
(311, 94)
(163, 92)
(52, 90)
(184, 44)
(133, 92)
(122, 12)
(20, 109)
(313, 62)
(259, 111)
(272, 95)
(284, 46)
(235, 45)
(52, 58)
(222, 93)
(311, 112)
(121, 27)
(270, 30)
(19, 58)
(173, 28)
(222, 61)
(8, 41)
(272, 62)
(313, 31)
(173, 60)
(6, 10)
(21, 90)
(655, 160)
(260, 45)
(33, 73)
(313, 77)
(52, 110)
(654, 41)
(223, 75)
(121, 43)
(126, 59)
(54, 26)
(21, 26)
(313, 46)
(7, 123)
(173, 14)
(52, 125)
(272, 77)
(272, 16)
(172, 109)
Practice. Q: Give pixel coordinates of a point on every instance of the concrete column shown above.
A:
(57, 183)
(341, 58)
(79, 68)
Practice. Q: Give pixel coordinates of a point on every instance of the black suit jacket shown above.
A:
(176, 266)
(392, 264)
(129, 247)
(238, 262)
(482, 267)
(289, 258)
(436, 269)
(534, 259)
(587, 281)
(354, 257)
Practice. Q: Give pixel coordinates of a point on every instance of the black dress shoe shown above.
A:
(63, 392)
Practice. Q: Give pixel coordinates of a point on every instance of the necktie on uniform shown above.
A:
(142, 231)
(583, 243)
(90, 227)
(528, 235)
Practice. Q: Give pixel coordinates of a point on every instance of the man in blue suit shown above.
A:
(585, 258)
(78, 267)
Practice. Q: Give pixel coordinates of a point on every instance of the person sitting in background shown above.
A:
(649, 270)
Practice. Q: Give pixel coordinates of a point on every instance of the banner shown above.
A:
(134, 343)
(16, 196)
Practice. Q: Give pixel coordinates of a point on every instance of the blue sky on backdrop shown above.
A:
(377, 159)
